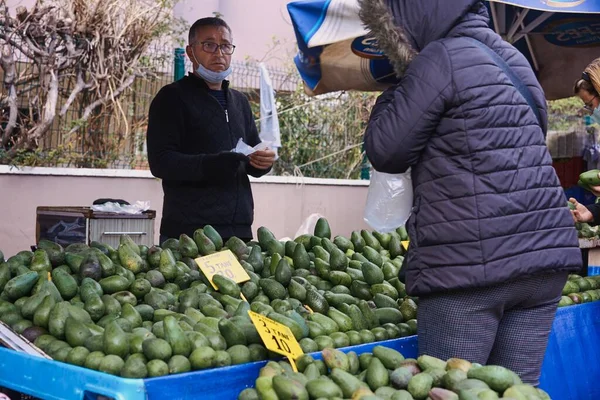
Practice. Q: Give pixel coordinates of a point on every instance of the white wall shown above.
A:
(281, 203)
(255, 24)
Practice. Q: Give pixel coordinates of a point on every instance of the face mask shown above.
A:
(211, 76)
(596, 115)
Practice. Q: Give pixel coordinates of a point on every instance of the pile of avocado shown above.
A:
(386, 375)
(580, 290)
(584, 230)
(143, 312)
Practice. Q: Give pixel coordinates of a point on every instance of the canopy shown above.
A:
(558, 37)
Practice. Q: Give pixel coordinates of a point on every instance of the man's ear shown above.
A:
(190, 54)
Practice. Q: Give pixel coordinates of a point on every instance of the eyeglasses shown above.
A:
(212, 47)
(589, 107)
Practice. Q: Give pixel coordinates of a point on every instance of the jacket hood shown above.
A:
(402, 28)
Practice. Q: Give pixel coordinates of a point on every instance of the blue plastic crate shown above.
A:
(227, 383)
(593, 270)
(570, 371)
(571, 367)
(49, 379)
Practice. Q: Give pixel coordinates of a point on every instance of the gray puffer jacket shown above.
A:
(488, 206)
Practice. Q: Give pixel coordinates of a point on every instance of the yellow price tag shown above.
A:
(222, 263)
(405, 244)
(277, 337)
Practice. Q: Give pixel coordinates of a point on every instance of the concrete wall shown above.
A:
(281, 203)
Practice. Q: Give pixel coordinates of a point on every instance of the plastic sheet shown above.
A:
(136, 208)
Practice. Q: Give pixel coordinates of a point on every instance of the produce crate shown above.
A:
(54, 380)
(66, 225)
(593, 270)
(571, 369)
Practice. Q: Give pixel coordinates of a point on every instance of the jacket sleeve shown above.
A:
(164, 140)
(405, 116)
(252, 139)
(517, 61)
(595, 210)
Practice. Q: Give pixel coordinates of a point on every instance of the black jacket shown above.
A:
(595, 210)
(186, 123)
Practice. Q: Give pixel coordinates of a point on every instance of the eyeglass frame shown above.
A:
(589, 106)
(218, 47)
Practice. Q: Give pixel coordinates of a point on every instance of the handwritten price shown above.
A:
(277, 337)
(222, 263)
(221, 268)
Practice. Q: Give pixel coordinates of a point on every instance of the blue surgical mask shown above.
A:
(596, 115)
(212, 76)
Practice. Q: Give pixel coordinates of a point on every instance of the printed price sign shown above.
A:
(405, 244)
(222, 263)
(277, 337)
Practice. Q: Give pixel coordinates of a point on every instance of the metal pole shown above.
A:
(179, 64)
(365, 170)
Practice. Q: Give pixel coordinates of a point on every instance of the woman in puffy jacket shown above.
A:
(491, 238)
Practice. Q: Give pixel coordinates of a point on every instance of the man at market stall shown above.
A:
(193, 125)
(491, 238)
(587, 88)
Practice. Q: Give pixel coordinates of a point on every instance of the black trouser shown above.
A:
(506, 324)
(584, 255)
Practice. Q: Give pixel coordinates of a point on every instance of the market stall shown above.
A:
(99, 328)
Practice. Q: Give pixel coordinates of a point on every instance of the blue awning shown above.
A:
(558, 37)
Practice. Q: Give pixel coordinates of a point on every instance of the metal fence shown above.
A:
(115, 138)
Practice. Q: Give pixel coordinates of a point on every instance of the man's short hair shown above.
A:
(208, 21)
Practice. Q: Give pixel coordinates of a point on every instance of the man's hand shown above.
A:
(223, 165)
(262, 159)
(581, 213)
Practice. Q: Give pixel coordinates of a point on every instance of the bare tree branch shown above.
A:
(89, 109)
(8, 65)
(80, 86)
(49, 110)
(75, 52)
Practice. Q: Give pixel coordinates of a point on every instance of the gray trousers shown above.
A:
(506, 324)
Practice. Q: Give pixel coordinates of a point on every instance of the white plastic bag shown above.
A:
(389, 201)
(308, 225)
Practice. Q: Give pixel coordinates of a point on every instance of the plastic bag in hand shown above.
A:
(389, 201)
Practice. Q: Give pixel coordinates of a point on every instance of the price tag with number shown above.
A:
(405, 244)
(277, 337)
(222, 263)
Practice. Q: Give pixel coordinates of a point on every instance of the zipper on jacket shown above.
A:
(237, 176)
(237, 186)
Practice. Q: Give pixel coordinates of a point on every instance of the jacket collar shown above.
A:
(202, 83)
